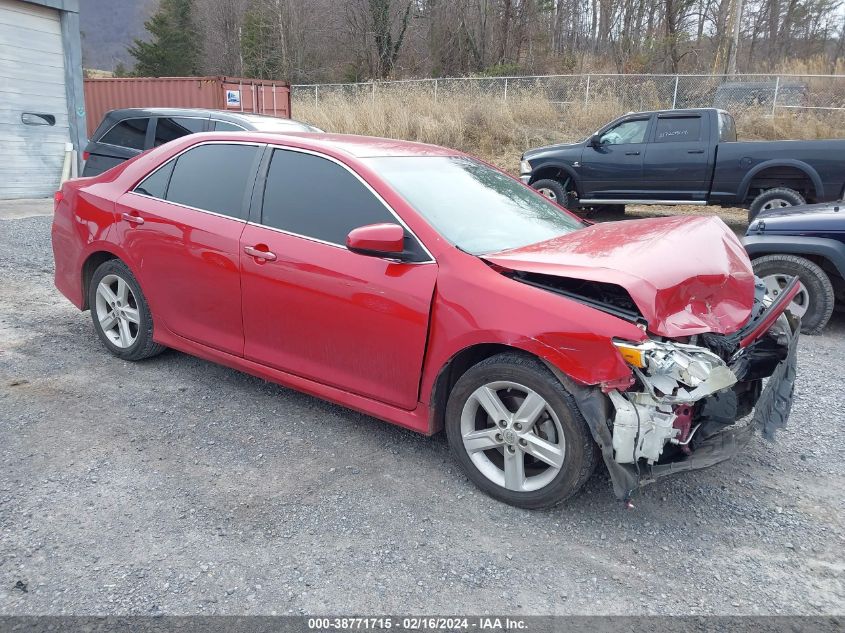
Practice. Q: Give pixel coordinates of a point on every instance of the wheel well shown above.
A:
(91, 264)
(782, 176)
(451, 372)
(554, 173)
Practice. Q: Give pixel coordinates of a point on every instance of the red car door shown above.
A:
(315, 309)
(180, 228)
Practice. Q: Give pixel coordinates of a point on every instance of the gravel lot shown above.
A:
(177, 486)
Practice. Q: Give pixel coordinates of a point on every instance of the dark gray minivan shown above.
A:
(125, 133)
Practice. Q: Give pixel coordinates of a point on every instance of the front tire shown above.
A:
(120, 313)
(517, 433)
(556, 192)
(814, 303)
(776, 198)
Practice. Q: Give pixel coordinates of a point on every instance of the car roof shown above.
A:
(224, 115)
(349, 144)
(678, 111)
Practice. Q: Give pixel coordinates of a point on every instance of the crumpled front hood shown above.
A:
(687, 275)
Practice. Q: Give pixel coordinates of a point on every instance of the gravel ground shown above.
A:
(177, 486)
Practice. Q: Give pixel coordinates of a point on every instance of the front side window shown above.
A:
(625, 133)
(315, 197)
(169, 129)
(477, 208)
(214, 177)
(678, 129)
(130, 133)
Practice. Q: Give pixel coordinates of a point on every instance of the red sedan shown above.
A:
(426, 288)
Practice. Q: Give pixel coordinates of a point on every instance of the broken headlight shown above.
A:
(673, 376)
(676, 372)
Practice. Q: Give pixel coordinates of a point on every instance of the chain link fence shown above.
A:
(772, 93)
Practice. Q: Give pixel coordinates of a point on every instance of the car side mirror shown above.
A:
(595, 140)
(378, 240)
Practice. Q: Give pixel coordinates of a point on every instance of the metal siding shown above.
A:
(72, 44)
(102, 95)
(32, 79)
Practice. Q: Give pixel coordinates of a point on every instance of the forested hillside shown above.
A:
(108, 26)
(346, 40)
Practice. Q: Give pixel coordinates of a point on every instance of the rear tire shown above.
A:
(120, 313)
(818, 298)
(776, 198)
(555, 191)
(490, 450)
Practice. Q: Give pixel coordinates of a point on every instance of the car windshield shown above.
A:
(477, 208)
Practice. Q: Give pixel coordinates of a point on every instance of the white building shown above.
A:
(41, 100)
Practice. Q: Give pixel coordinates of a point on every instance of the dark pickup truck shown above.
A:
(685, 157)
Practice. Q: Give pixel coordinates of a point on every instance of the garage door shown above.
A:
(33, 105)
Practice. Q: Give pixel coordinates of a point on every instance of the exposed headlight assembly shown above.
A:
(676, 372)
(524, 167)
(673, 375)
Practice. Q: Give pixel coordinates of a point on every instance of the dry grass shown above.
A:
(499, 131)
(490, 128)
(791, 124)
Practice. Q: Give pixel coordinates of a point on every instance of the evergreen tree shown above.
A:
(173, 50)
(260, 46)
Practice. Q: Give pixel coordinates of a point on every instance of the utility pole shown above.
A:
(735, 44)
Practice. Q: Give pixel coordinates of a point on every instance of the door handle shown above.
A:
(132, 219)
(695, 151)
(260, 254)
(632, 153)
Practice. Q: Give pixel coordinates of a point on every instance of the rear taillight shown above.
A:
(86, 155)
(57, 198)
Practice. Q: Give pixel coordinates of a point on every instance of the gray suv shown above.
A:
(125, 133)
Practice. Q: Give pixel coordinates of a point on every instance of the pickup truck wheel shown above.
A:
(814, 303)
(554, 191)
(776, 198)
(517, 433)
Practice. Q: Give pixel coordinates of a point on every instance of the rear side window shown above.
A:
(214, 178)
(168, 129)
(155, 185)
(314, 197)
(225, 126)
(130, 133)
(678, 129)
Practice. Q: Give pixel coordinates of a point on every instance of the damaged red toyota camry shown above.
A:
(423, 287)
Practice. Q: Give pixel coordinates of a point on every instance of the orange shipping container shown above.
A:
(235, 94)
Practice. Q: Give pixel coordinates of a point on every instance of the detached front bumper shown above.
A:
(765, 348)
(770, 413)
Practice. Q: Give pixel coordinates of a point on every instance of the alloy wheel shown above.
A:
(117, 311)
(777, 203)
(551, 195)
(513, 436)
(775, 285)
